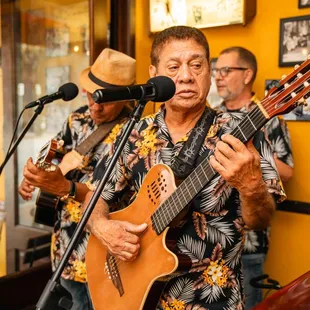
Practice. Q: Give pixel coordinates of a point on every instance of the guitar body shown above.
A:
(46, 205)
(136, 285)
(50, 157)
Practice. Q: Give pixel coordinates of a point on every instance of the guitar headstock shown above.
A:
(50, 155)
(292, 91)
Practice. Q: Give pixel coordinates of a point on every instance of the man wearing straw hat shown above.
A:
(110, 69)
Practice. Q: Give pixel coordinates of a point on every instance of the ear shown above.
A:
(152, 71)
(248, 76)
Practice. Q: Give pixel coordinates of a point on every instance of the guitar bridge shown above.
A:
(112, 270)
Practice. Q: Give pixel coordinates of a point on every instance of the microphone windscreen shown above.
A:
(165, 88)
(69, 91)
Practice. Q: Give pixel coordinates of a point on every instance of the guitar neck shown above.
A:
(202, 174)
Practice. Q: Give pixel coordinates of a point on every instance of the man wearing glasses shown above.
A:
(234, 73)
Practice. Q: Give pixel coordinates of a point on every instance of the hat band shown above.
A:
(99, 82)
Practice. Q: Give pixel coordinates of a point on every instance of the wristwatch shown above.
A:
(72, 192)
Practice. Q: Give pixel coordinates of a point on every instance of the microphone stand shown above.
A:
(37, 112)
(54, 296)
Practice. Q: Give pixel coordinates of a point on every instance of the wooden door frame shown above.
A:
(98, 27)
(123, 23)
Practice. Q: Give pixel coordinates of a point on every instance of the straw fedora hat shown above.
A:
(110, 69)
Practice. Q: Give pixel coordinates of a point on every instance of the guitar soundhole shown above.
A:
(156, 189)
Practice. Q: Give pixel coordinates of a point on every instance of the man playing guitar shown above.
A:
(111, 69)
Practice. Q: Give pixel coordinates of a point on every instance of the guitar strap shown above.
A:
(100, 133)
(184, 163)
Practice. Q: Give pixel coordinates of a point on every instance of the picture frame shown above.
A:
(294, 45)
(303, 4)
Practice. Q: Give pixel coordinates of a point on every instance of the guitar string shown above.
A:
(256, 114)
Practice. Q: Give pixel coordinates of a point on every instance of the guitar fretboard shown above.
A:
(202, 174)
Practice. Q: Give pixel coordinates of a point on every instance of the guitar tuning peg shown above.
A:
(283, 77)
(296, 67)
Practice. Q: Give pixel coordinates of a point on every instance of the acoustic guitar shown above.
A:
(138, 284)
(50, 156)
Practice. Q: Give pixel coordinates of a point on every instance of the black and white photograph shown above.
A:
(303, 4)
(294, 40)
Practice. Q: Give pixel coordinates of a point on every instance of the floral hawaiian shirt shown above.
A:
(213, 236)
(277, 134)
(76, 129)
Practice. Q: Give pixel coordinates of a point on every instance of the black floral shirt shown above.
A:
(76, 129)
(213, 236)
(277, 134)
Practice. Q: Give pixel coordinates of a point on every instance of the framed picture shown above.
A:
(294, 40)
(303, 4)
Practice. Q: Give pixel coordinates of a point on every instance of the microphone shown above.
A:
(65, 92)
(159, 89)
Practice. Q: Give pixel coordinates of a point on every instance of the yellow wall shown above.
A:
(289, 255)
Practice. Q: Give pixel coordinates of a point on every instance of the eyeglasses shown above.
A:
(225, 70)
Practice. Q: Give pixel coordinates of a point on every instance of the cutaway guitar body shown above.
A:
(126, 285)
